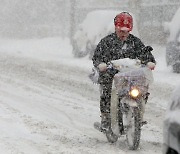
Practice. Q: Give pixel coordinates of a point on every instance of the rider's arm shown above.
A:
(143, 53)
(98, 56)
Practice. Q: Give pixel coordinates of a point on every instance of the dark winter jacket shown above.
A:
(110, 48)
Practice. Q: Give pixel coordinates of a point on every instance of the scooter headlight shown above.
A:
(134, 92)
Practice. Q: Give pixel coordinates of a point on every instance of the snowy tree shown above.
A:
(35, 18)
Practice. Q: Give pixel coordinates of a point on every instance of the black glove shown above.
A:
(148, 48)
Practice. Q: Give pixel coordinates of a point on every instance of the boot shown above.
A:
(105, 121)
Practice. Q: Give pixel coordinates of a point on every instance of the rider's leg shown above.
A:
(105, 105)
(105, 120)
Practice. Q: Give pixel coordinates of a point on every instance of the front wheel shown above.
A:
(133, 128)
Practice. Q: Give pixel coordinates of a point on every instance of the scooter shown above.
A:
(128, 98)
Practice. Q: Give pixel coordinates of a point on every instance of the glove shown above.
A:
(148, 48)
(151, 65)
(102, 67)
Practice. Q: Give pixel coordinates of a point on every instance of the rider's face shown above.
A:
(122, 34)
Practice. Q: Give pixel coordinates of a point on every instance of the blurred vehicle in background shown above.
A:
(96, 25)
(173, 42)
(171, 128)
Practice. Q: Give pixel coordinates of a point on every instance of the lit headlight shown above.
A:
(134, 92)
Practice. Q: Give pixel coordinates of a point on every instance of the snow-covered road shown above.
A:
(49, 107)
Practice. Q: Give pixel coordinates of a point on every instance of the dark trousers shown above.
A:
(105, 81)
(105, 97)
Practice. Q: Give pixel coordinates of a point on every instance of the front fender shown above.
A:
(129, 102)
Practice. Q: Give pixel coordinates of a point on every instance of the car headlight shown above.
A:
(134, 92)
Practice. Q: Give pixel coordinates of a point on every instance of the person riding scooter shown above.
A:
(118, 45)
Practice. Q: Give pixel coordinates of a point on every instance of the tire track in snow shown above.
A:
(55, 77)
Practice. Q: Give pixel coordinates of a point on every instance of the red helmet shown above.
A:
(124, 20)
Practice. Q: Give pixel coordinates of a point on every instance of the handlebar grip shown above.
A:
(112, 71)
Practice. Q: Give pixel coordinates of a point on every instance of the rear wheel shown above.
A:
(171, 151)
(133, 128)
(176, 68)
